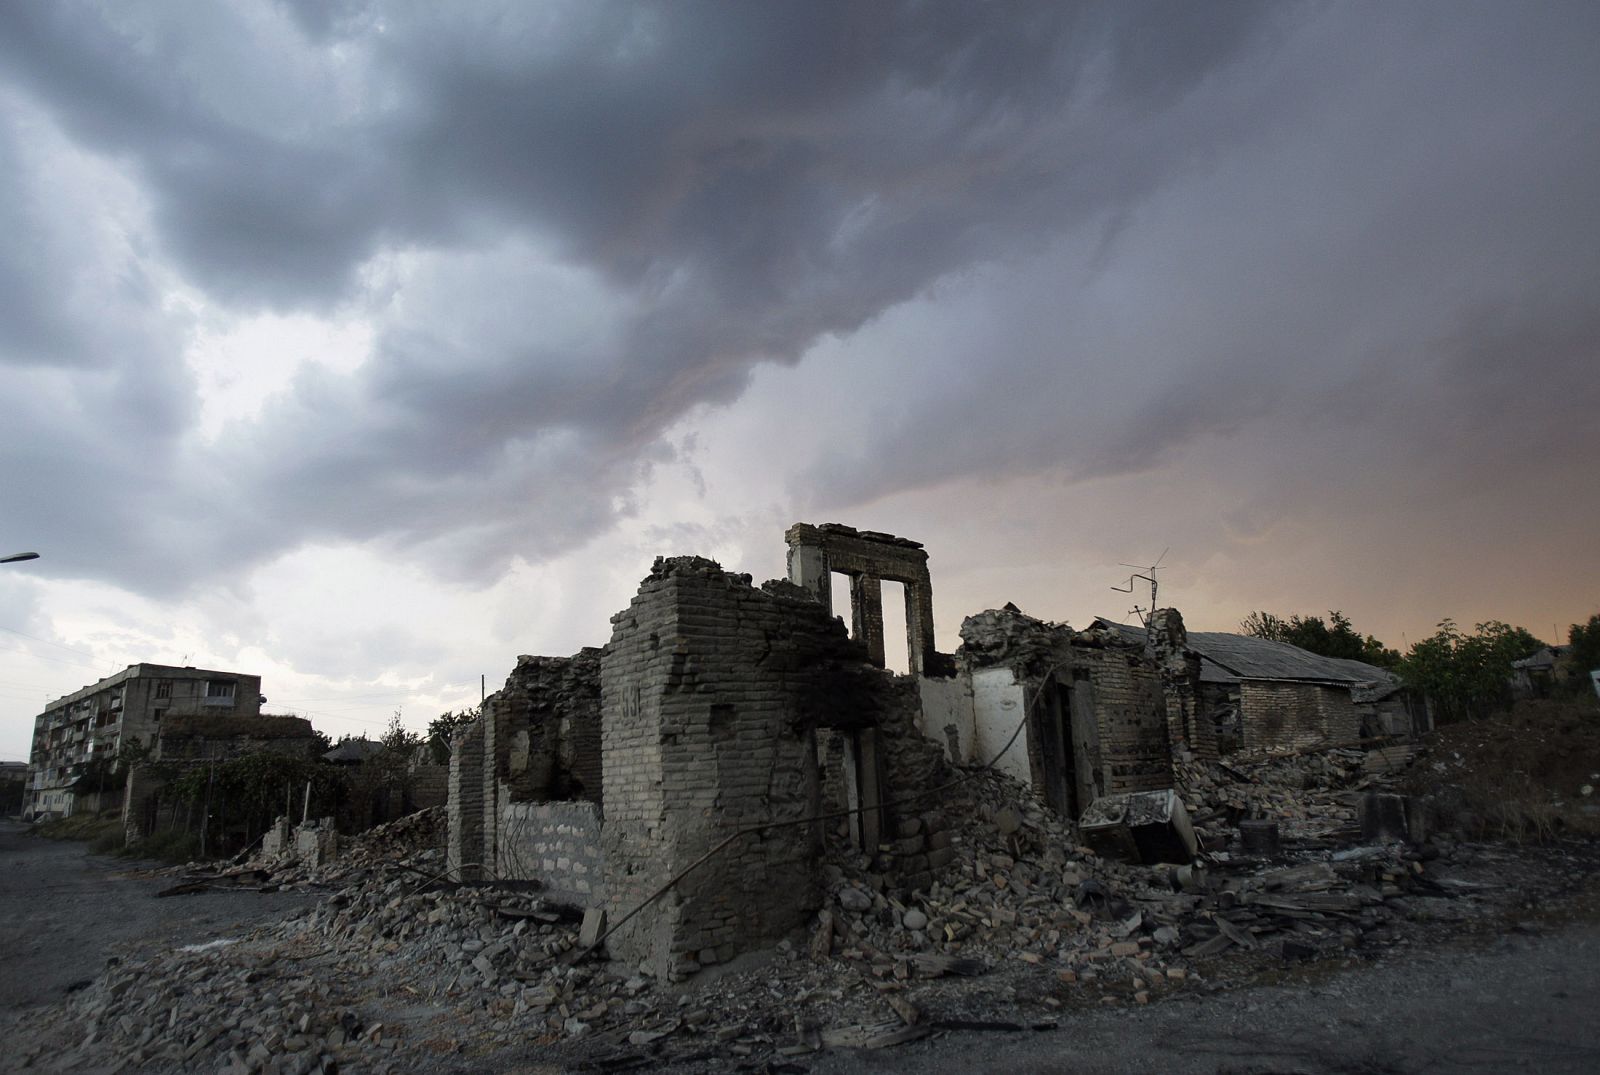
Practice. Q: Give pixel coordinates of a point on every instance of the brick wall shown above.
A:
(1189, 726)
(1295, 716)
(713, 693)
(558, 843)
(1131, 717)
(464, 814)
(537, 739)
(429, 785)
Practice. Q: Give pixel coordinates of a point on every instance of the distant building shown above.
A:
(13, 787)
(1272, 696)
(1535, 676)
(120, 713)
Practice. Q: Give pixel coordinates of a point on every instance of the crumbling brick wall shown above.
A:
(428, 784)
(1189, 725)
(536, 739)
(1126, 745)
(712, 693)
(1130, 714)
(1295, 716)
(464, 813)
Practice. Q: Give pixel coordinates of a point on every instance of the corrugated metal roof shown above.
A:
(1226, 658)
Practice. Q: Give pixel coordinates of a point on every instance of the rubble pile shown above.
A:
(421, 831)
(1016, 923)
(1022, 891)
(1312, 797)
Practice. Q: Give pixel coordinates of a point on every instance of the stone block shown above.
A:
(1384, 818)
(1259, 836)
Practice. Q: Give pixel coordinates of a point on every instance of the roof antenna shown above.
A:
(1151, 579)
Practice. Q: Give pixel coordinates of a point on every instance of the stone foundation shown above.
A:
(559, 844)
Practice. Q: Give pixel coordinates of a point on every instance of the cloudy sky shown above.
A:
(367, 345)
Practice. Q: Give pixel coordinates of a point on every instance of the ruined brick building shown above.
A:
(1266, 696)
(727, 729)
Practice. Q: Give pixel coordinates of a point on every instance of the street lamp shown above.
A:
(14, 557)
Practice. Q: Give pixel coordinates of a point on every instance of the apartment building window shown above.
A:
(164, 689)
(219, 693)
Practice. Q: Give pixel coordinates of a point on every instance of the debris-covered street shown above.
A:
(1331, 955)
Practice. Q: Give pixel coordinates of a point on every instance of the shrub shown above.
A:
(167, 845)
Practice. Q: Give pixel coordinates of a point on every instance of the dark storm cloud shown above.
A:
(728, 183)
(743, 178)
(1405, 253)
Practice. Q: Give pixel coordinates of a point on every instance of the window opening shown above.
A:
(839, 584)
(896, 639)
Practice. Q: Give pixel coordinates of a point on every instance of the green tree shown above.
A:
(399, 740)
(1333, 637)
(443, 728)
(248, 792)
(1464, 675)
(1264, 625)
(1584, 638)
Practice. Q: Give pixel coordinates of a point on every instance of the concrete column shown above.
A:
(808, 569)
(919, 622)
(866, 615)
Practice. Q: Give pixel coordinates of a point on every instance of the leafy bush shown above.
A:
(167, 845)
(1466, 675)
(109, 842)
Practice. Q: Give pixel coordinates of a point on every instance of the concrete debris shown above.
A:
(1260, 836)
(1143, 826)
(1015, 927)
(1384, 818)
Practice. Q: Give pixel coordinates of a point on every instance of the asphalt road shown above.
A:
(64, 912)
(1523, 1002)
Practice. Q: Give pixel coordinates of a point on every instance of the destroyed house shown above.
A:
(198, 740)
(1078, 715)
(719, 711)
(1267, 696)
(696, 765)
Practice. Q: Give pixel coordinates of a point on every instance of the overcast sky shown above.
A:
(365, 346)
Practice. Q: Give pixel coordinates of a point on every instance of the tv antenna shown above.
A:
(1148, 574)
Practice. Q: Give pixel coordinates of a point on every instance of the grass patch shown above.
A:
(85, 827)
(167, 845)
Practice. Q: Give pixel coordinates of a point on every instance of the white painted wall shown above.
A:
(947, 703)
(998, 706)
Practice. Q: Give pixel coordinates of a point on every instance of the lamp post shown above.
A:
(16, 556)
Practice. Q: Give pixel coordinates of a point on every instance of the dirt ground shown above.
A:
(64, 912)
(1523, 997)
